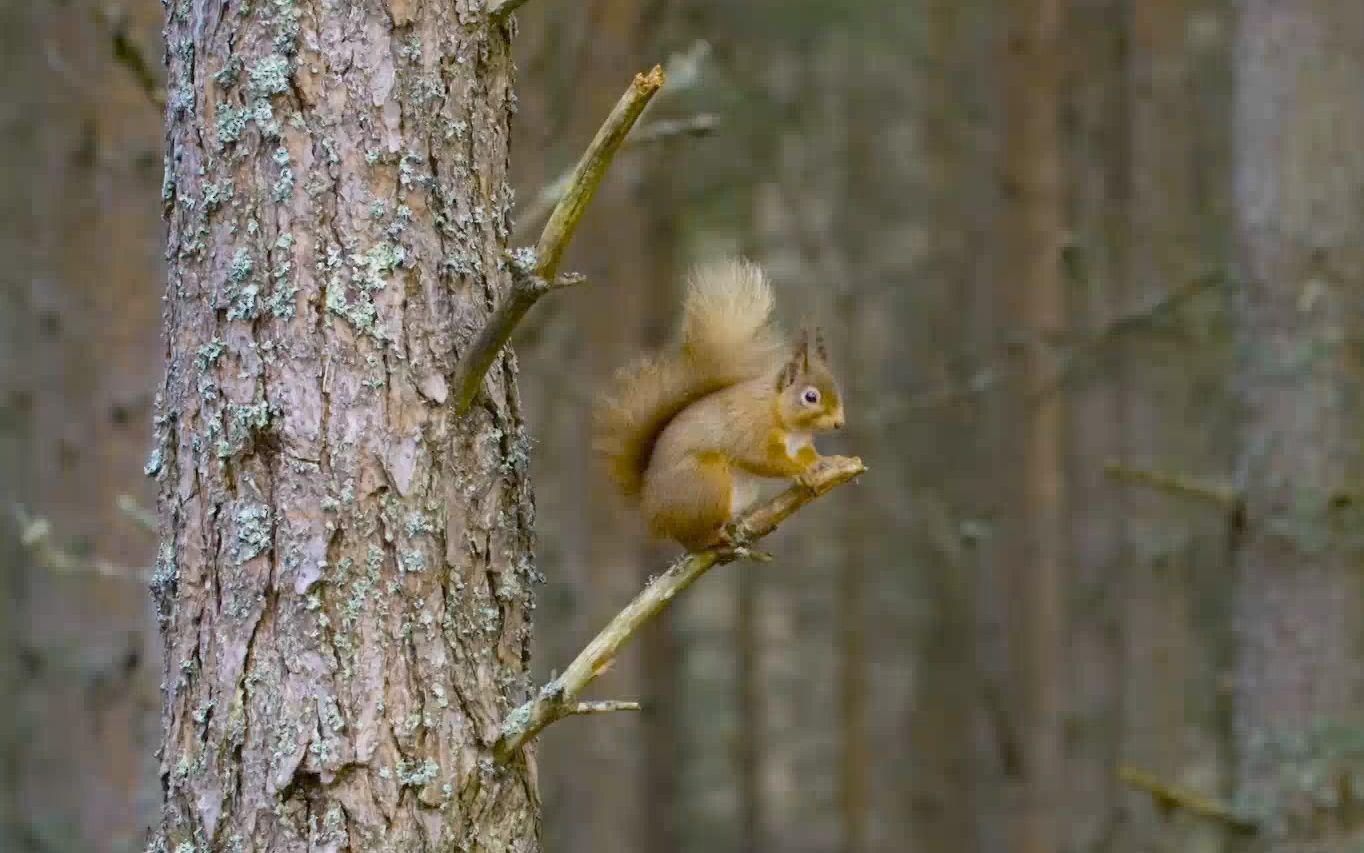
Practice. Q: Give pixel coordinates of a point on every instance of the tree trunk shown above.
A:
(796, 221)
(18, 183)
(1177, 412)
(1095, 183)
(345, 577)
(1032, 302)
(1299, 178)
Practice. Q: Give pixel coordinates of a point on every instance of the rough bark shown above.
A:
(345, 576)
(1299, 178)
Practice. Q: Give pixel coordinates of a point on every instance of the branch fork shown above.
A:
(559, 698)
(500, 10)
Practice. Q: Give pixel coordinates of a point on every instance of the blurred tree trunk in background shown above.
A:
(614, 815)
(81, 284)
(910, 285)
(550, 347)
(661, 755)
(580, 59)
(344, 581)
(1031, 439)
(1095, 140)
(19, 148)
(932, 249)
(1177, 415)
(797, 223)
(1299, 181)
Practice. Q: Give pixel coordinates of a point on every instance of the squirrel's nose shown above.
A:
(838, 422)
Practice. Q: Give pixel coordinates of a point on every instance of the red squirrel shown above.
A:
(683, 432)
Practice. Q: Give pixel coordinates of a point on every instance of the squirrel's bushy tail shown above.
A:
(726, 338)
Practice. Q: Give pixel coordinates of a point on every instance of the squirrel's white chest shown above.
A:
(747, 488)
(744, 492)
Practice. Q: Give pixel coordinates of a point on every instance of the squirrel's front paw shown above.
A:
(812, 477)
(809, 478)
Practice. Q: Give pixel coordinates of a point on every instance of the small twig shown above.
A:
(35, 534)
(682, 71)
(1176, 484)
(129, 54)
(557, 698)
(529, 284)
(591, 168)
(139, 514)
(1172, 796)
(500, 9)
(700, 125)
(1000, 370)
(603, 707)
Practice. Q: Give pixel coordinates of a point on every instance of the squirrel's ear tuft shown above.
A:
(802, 356)
(821, 350)
(796, 365)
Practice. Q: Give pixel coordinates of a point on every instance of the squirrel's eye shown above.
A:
(811, 396)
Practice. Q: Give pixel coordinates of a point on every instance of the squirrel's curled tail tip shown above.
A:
(726, 338)
(727, 308)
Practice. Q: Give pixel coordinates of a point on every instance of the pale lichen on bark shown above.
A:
(345, 584)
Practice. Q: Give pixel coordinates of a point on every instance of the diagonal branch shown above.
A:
(1171, 796)
(143, 517)
(592, 167)
(606, 707)
(1176, 483)
(702, 124)
(129, 54)
(35, 534)
(559, 697)
(534, 278)
(1002, 369)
